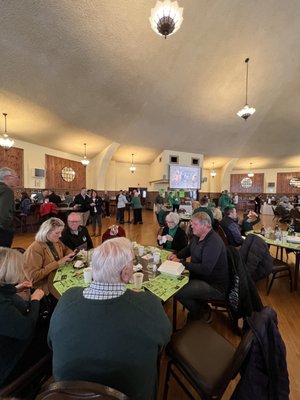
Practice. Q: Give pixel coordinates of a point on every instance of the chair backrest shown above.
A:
(222, 234)
(76, 390)
(106, 235)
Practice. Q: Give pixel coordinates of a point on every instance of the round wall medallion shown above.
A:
(295, 182)
(68, 174)
(246, 183)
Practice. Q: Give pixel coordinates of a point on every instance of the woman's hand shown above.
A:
(159, 237)
(24, 286)
(66, 258)
(38, 294)
(169, 238)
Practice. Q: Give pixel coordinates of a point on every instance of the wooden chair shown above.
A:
(222, 234)
(29, 383)
(279, 270)
(205, 359)
(76, 390)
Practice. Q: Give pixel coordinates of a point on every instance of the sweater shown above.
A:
(39, 262)
(208, 260)
(72, 241)
(114, 342)
(179, 240)
(17, 325)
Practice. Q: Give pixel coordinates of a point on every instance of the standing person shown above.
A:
(8, 179)
(175, 201)
(224, 200)
(257, 204)
(107, 204)
(96, 212)
(54, 198)
(68, 198)
(82, 204)
(121, 205)
(235, 200)
(137, 208)
(91, 331)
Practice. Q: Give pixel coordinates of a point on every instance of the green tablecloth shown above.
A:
(290, 246)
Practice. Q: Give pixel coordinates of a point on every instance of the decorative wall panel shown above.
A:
(283, 182)
(54, 179)
(13, 158)
(257, 183)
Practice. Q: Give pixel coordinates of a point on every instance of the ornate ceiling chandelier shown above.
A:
(246, 111)
(85, 161)
(166, 17)
(132, 167)
(5, 141)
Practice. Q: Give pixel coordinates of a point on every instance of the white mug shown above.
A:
(140, 250)
(156, 258)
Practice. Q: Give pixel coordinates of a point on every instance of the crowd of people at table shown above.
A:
(106, 333)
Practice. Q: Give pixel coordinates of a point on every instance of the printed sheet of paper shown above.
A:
(164, 286)
(67, 277)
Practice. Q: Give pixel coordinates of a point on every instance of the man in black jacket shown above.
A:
(8, 179)
(209, 276)
(75, 235)
(231, 227)
(82, 204)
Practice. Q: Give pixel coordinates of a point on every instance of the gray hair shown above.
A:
(5, 171)
(173, 217)
(110, 258)
(11, 266)
(203, 217)
(47, 227)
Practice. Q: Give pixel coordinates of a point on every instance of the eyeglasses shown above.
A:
(74, 221)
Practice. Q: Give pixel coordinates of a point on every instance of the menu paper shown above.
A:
(164, 286)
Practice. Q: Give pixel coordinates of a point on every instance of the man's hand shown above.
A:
(24, 286)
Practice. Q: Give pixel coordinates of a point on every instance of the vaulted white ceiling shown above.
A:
(93, 71)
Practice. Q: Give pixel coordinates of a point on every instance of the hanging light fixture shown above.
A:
(250, 173)
(213, 172)
(85, 160)
(166, 17)
(246, 111)
(5, 141)
(132, 167)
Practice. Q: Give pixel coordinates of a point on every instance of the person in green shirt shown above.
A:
(172, 237)
(137, 207)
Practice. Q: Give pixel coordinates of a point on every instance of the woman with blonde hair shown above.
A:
(18, 316)
(46, 253)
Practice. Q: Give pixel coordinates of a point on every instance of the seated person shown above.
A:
(48, 209)
(106, 344)
(172, 237)
(249, 220)
(113, 232)
(76, 235)
(204, 208)
(283, 212)
(18, 318)
(231, 227)
(46, 254)
(25, 205)
(217, 214)
(209, 275)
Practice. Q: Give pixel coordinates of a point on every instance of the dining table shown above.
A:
(286, 242)
(161, 285)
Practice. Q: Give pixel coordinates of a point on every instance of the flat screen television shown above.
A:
(184, 177)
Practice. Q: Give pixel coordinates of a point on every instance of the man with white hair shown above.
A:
(8, 179)
(107, 333)
(209, 275)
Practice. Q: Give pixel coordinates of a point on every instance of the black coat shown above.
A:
(256, 256)
(180, 239)
(265, 375)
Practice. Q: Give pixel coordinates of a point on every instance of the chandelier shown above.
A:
(132, 167)
(166, 17)
(85, 160)
(246, 111)
(5, 141)
(213, 172)
(250, 173)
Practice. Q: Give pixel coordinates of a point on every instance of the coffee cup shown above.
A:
(138, 280)
(140, 250)
(87, 275)
(156, 258)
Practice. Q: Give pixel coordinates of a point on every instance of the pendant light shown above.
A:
(132, 167)
(85, 161)
(246, 111)
(5, 141)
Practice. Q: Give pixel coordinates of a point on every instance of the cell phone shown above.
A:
(75, 252)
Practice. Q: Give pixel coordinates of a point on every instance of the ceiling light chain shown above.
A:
(85, 161)
(5, 141)
(246, 111)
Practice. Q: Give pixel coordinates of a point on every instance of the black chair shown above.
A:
(276, 214)
(279, 270)
(29, 383)
(205, 359)
(222, 234)
(76, 390)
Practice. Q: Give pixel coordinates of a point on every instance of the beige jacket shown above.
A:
(39, 262)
